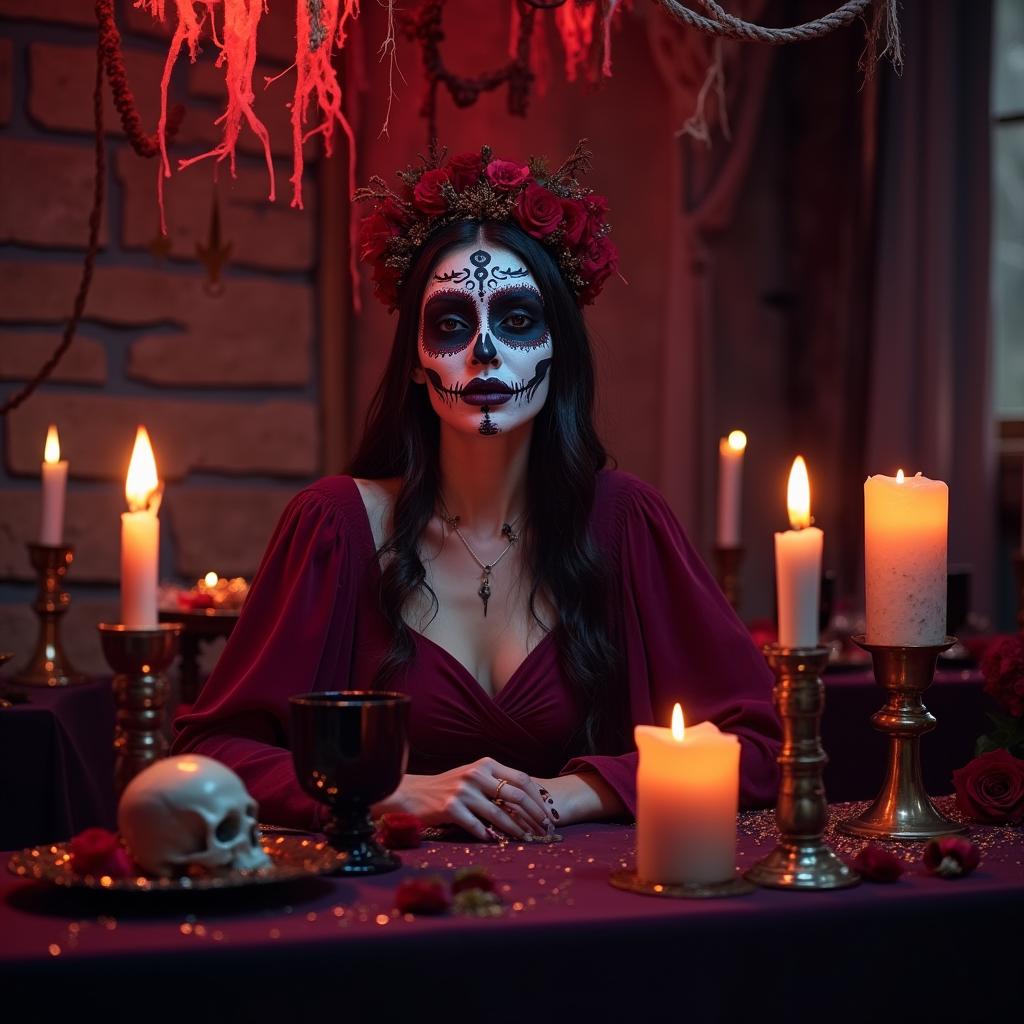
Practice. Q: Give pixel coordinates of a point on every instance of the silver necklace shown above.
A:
(507, 530)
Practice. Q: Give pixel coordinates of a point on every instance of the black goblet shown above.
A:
(350, 749)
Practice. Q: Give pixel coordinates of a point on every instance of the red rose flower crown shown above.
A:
(552, 206)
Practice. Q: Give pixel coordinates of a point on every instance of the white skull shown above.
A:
(189, 810)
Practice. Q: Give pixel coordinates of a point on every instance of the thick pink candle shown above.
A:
(55, 479)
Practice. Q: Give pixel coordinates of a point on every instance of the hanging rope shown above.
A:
(719, 22)
(110, 58)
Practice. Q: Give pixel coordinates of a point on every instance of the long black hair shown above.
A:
(401, 439)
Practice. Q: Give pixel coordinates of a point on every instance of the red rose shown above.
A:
(576, 225)
(375, 232)
(400, 831)
(876, 864)
(427, 194)
(506, 176)
(538, 211)
(472, 878)
(465, 170)
(1003, 669)
(96, 851)
(951, 857)
(421, 896)
(600, 261)
(990, 788)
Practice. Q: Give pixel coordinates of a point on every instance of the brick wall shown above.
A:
(226, 384)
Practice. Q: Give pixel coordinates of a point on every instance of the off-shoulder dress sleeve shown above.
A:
(294, 635)
(683, 642)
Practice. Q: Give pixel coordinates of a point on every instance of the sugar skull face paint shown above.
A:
(484, 343)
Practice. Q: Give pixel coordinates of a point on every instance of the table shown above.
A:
(569, 946)
(56, 763)
(56, 758)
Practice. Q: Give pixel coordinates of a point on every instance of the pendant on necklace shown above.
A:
(484, 592)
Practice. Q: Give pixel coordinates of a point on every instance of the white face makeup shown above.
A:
(484, 344)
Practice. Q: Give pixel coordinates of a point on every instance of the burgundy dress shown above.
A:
(312, 622)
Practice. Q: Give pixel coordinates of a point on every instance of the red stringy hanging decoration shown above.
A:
(232, 26)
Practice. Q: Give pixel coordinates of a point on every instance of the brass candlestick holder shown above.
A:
(902, 809)
(802, 860)
(49, 665)
(727, 571)
(139, 658)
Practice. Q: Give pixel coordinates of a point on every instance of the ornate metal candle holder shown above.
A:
(902, 809)
(802, 860)
(49, 665)
(727, 572)
(139, 658)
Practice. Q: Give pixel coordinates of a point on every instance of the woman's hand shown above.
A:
(465, 796)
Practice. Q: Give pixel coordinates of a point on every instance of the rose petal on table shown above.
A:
(422, 896)
(951, 857)
(876, 864)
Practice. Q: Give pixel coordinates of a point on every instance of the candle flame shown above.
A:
(677, 724)
(185, 765)
(142, 483)
(210, 579)
(51, 452)
(798, 495)
(737, 440)
(899, 476)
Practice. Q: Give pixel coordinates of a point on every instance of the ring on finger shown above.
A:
(497, 792)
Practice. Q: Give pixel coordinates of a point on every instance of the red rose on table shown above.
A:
(951, 857)
(506, 176)
(538, 211)
(400, 831)
(422, 896)
(427, 194)
(576, 226)
(990, 788)
(877, 864)
(465, 170)
(599, 262)
(95, 851)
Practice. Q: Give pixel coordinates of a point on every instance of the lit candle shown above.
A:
(140, 538)
(55, 480)
(905, 525)
(798, 565)
(687, 798)
(730, 480)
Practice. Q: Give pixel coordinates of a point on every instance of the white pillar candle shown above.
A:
(730, 485)
(687, 798)
(905, 526)
(140, 538)
(798, 565)
(55, 480)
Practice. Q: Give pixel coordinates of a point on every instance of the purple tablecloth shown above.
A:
(56, 754)
(56, 763)
(568, 943)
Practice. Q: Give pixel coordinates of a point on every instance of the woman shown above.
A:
(479, 555)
